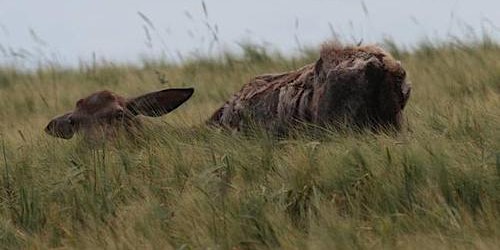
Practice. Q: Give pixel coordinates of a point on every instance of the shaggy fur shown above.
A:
(361, 87)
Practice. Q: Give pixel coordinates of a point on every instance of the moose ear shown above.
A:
(160, 102)
(61, 126)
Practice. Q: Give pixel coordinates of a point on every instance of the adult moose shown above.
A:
(104, 112)
(356, 86)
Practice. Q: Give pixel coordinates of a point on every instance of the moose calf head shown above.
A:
(105, 112)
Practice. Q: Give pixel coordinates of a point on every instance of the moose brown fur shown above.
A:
(104, 112)
(358, 86)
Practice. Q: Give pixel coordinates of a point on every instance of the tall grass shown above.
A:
(436, 185)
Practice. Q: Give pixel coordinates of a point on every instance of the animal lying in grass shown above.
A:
(359, 86)
(104, 112)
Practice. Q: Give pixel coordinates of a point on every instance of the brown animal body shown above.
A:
(103, 113)
(360, 87)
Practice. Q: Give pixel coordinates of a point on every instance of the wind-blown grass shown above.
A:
(435, 185)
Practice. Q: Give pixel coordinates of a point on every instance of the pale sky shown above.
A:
(66, 31)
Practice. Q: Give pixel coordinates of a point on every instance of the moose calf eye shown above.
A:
(119, 113)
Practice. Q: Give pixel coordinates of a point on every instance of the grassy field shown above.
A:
(436, 185)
